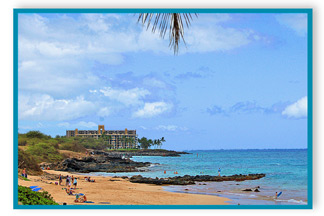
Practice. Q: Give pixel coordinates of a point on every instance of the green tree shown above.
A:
(36, 134)
(144, 144)
(150, 143)
(162, 141)
(155, 143)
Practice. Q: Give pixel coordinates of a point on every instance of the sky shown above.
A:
(239, 82)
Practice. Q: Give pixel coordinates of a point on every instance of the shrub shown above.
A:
(74, 146)
(22, 142)
(35, 134)
(26, 160)
(45, 152)
(28, 197)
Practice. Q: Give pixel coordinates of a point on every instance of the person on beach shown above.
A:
(69, 191)
(60, 179)
(24, 173)
(67, 181)
(75, 183)
(276, 196)
(84, 198)
(219, 171)
(77, 198)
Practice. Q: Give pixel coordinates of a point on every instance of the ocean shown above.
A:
(286, 172)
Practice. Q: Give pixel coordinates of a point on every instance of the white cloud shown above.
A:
(56, 55)
(104, 37)
(64, 124)
(87, 124)
(216, 38)
(297, 109)
(57, 49)
(104, 112)
(296, 22)
(127, 97)
(153, 82)
(171, 128)
(96, 22)
(152, 109)
(81, 124)
(46, 108)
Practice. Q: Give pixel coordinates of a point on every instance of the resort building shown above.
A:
(117, 139)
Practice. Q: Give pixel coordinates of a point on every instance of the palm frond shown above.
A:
(174, 22)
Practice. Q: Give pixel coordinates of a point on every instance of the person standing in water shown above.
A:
(219, 171)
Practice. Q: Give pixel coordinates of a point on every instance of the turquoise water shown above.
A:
(286, 171)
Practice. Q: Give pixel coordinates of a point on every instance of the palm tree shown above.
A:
(162, 141)
(149, 142)
(172, 21)
(131, 141)
(155, 143)
(123, 138)
(109, 140)
(159, 143)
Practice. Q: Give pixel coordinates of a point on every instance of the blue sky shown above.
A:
(240, 82)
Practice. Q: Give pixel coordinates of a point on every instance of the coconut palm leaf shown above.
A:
(174, 22)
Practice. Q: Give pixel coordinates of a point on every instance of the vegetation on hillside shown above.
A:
(44, 152)
(28, 161)
(43, 148)
(28, 197)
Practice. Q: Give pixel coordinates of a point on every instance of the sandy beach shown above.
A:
(118, 191)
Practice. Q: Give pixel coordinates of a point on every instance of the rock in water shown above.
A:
(248, 189)
(186, 179)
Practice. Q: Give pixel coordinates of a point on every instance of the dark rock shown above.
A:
(248, 189)
(186, 179)
(99, 163)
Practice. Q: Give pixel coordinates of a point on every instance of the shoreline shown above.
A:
(117, 191)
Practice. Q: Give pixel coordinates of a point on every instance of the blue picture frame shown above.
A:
(307, 11)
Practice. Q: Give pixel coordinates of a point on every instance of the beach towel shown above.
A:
(32, 187)
(80, 194)
(36, 189)
(88, 202)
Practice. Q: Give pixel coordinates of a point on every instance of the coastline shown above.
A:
(118, 191)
